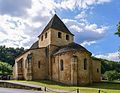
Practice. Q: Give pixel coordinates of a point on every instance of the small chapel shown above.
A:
(55, 56)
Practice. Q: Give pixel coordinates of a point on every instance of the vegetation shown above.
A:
(112, 75)
(118, 29)
(108, 87)
(5, 68)
(118, 33)
(8, 54)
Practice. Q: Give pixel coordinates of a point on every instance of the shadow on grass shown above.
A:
(101, 85)
(106, 85)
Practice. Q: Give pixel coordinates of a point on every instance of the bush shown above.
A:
(5, 68)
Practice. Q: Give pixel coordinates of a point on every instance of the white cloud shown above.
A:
(88, 43)
(84, 4)
(81, 15)
(12, 32)
(109, 56)
(16, 31)
(23, 20)
(14, 7)
(102, 1)
(86, 32)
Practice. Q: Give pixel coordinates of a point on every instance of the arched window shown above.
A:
(97, 70)
(61, 65)
(29, 57)
(67, 37)
(85, 64)
(45, 35)
(59, 35)
(20, 63)
(74, 59)
(42, 38)
(38, 64)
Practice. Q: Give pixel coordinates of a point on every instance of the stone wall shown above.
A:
(96, 70)
(6, 84)
(52, 38)
(16, 66)
(60, 41)
(70, 74)
(32, 71)
(39, 64)
(46, 41)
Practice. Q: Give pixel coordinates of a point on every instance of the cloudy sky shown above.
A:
(93, 22)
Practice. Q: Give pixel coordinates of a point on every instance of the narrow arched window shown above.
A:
(42, 38)
(45, 35)
(97, 70)
(59, 35)
(85, 64)
(29, 57)
(61, 65)
(67, 37)
(38, 64)
(20, 63)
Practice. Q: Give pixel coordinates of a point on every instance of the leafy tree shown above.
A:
(118, 29)
(118, 33)
(8, 54)
(5, 68)
(111, 75)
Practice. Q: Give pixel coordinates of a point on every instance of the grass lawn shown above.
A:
(108, 87)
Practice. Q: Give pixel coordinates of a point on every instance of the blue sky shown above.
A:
(93, 22)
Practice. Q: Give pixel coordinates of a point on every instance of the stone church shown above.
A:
(55, 56)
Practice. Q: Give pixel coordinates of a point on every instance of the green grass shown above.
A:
(108, 87)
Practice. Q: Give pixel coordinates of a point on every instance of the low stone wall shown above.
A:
(18, 86)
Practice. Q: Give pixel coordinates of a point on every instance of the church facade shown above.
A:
(55, 56)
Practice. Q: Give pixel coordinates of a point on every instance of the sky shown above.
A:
(93, 22)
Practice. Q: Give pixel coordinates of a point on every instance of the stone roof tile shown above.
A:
(71, 47)
(57, 24)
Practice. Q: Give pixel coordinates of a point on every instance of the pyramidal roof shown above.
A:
(57, 24)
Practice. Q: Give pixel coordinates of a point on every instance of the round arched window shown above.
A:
(61, 65)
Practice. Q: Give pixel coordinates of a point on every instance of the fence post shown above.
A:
(77, 90)
(98, 90)
(45, 89)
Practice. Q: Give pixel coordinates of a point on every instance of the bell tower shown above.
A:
(55, 33)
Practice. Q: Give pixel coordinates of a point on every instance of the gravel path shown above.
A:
(11, 90)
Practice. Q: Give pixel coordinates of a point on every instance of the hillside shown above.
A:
(8, 54)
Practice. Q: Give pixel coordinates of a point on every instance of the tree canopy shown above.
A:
(5, 68)
(8, 54)
(118, 29)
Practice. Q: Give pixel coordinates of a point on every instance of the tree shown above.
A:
(111, 75)
(8, 54)
(5, 68)
(118, 29)
(118, 33)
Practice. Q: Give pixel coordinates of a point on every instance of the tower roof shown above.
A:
(57, 24)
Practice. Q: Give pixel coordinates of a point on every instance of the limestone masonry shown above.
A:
(55, 56)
